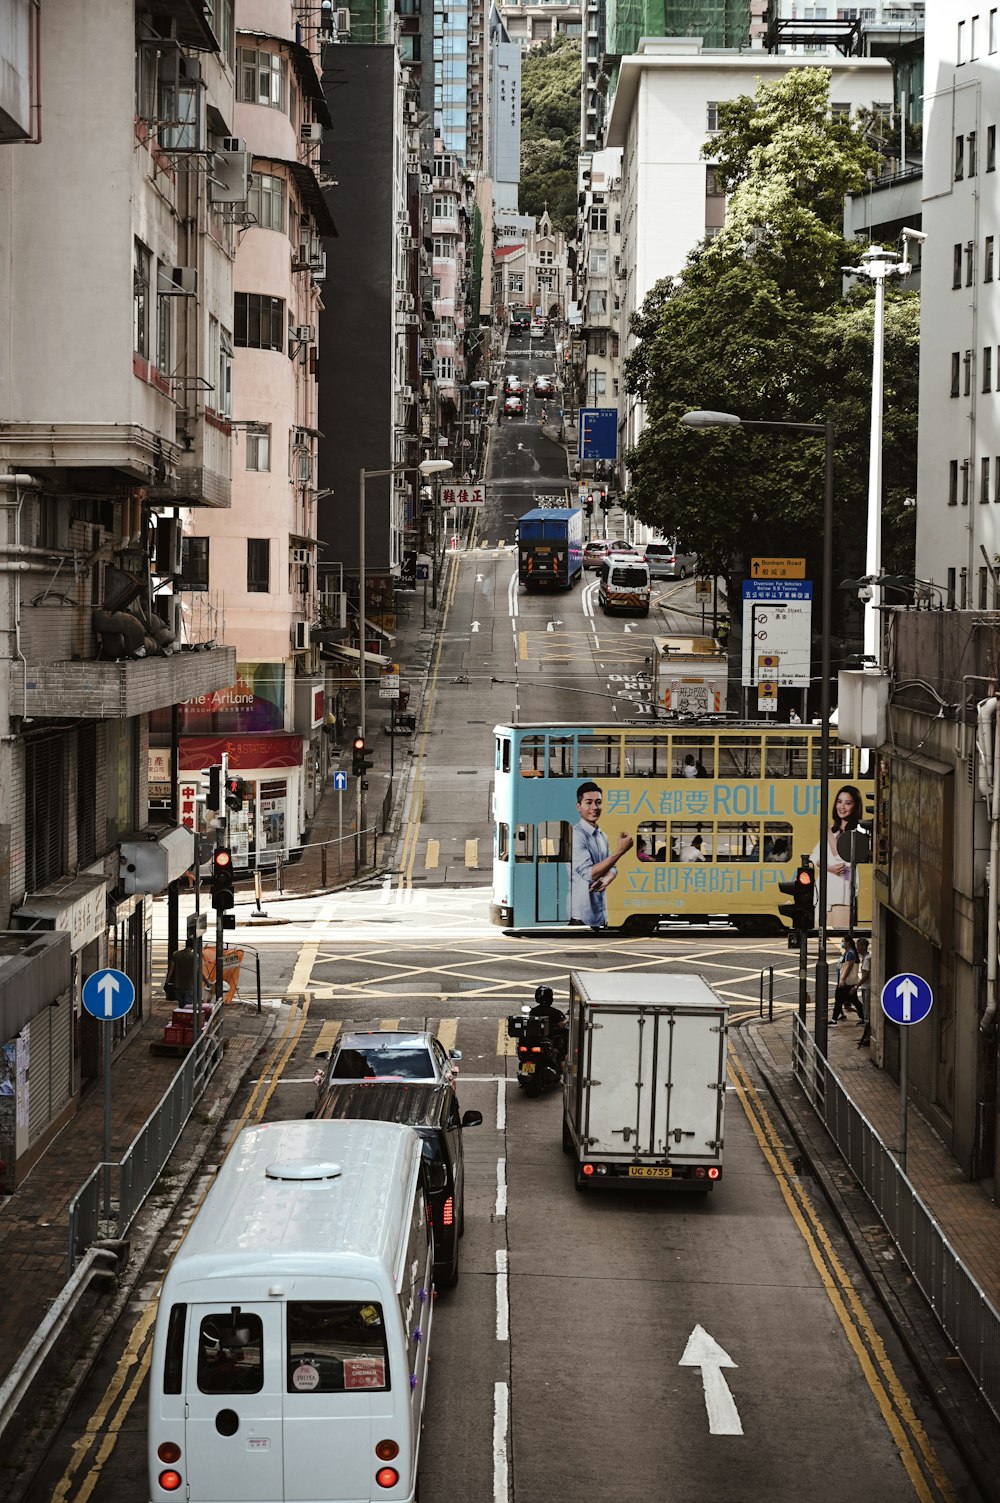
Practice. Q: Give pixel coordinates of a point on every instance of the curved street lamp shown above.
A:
(824, 431)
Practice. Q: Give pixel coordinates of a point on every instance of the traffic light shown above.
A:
(802, 890)
(361, 757)
(590, 506)
(222, 878)
(213, 799)
(235, 793)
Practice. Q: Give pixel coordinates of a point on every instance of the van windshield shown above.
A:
(625, 577)
(335, 1346)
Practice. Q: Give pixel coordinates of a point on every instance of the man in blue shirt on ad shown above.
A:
(592, 868)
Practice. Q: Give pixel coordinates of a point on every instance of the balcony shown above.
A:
(100, 690)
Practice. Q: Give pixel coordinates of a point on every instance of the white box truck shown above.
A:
(644, 1085)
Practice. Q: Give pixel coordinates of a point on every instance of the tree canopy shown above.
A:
(550, 131)
(757, 325)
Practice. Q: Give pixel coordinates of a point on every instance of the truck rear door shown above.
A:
(690, 1060)
(621, 1076)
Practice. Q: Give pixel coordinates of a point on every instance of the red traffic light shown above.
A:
(805, 878)
(358, 743)
(223, 860)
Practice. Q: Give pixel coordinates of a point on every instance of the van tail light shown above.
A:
(387, 1476)
(170, 1481)
(169, 1452)
(714, 1173)
(448, 1214)
(387, 1450)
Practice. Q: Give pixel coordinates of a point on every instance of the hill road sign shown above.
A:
(906, 998)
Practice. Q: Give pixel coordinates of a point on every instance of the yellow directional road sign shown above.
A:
(777, 568)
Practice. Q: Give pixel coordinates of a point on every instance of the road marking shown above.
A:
(447, 1032)
(505, 1045)
(704, 1352)
(503, 1297)
(501, 1413)
(522, 646)
(388, 1025)
(472, 854)
(501, 1104)
(432, 855)
(326, 1038)
(500, 1204)
(475, 626)
(309, 951)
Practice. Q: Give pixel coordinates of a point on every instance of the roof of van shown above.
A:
(645, 989)
(278, 1199)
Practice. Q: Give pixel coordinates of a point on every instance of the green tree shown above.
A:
(756, 325)
(550, 131)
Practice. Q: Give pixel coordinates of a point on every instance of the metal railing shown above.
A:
(143, 1161)
(963, 1310)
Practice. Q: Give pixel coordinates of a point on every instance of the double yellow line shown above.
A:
(930, 1483)
(412, 838)
(99, 1438)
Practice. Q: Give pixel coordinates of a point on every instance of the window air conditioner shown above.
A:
(343, 21)
(230, 176)
(169, 537)
(233, 143)
(311, 130)
(300, 555)
(303, 333)
(318, 267)
(177, 281)
(302, 635)
(300, 438)
(407, 394)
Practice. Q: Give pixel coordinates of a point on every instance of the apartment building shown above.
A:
(595, 319)
(115, 366)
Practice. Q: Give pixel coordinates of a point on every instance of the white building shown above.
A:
(664, 109)
(958, 450)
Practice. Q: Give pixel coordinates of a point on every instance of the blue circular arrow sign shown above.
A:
(906, 998)
(108, 995)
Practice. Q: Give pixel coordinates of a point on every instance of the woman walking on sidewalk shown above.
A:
(848, 976)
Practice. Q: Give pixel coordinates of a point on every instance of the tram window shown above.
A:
(554, 840)
(524, 843)
(532, 756)
(739, 757)
(777, 841)
(651, 841)
(647, 759)
(598, 756)
(503, 759)
(786, 757)
(503, 842)
(560, 756)
(703, 753)
(690, 842)
(737, 842)
(835, 759)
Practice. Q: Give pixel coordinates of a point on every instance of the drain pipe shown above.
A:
(988, 746)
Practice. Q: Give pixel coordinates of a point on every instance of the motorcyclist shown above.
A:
(558, 1022)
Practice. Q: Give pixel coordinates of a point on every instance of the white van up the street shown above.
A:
(292, 1335)
(624, 585)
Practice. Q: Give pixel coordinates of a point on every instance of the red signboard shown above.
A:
(245, 753)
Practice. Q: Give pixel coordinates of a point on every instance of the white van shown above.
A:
(291, 1344)
(624, 585)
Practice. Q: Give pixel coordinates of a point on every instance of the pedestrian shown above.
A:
(865, 990)
(182, 975)
(690, 768)
(848, 976)
(693, 851)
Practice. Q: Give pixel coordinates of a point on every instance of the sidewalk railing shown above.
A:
(963, 1310)
(134, 1176)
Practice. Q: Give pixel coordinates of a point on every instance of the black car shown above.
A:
(432, 1109)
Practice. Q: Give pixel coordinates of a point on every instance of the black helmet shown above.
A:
(543, 994)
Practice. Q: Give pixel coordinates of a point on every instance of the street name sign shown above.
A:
(778, 568)
(906, 998)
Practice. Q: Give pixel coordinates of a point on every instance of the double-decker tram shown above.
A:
(623, 826)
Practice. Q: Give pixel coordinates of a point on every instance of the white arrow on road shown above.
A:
(628, 630)
(907, 989)
(475, 626)
(107, 986)
(704, 1351)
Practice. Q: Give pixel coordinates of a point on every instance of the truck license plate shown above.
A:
(527, 1069)
(642, 1171)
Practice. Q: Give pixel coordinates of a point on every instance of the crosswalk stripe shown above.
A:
(504, 1044)
(472, 854)
(447, 1031)
(522, 646)
(432, 855)
(326, 1038)
(388, 1025)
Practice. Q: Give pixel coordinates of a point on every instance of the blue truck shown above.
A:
(550, 547)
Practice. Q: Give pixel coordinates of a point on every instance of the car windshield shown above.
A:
(366, 1062)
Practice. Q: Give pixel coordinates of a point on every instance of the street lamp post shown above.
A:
(425, 467)
(824, 431)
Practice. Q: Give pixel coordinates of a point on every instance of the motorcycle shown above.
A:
(539, 1061)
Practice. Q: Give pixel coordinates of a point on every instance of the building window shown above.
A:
(517, 282)
(164, 332)
(598, 263)
(956, 266)
(258, 566)
(194, 563)
(996, 479)
(993, 30)
(260, 321)
(44, 811)
(956, 367)
(959, 158)
(960, 44)
(443, 206)
(951, 589)
(984, 480)
(598, 217)
(261, 78)
(972, 153)
(973, 40)
(141, 305)
(266, 201)
(991, 148)
(712, 114)
(965, 481)
(713, 187)
(259, 448)
(444, 368)
(988, 260)
(967, 364)
(969, 263)
(224, 375)
(987, 367)
(86, 794)
(953, 482)
(983, 588)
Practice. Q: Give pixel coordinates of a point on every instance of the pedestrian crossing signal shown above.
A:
(802, 890)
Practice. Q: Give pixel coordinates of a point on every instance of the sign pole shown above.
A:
(904, 1062)
(107, 1121)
